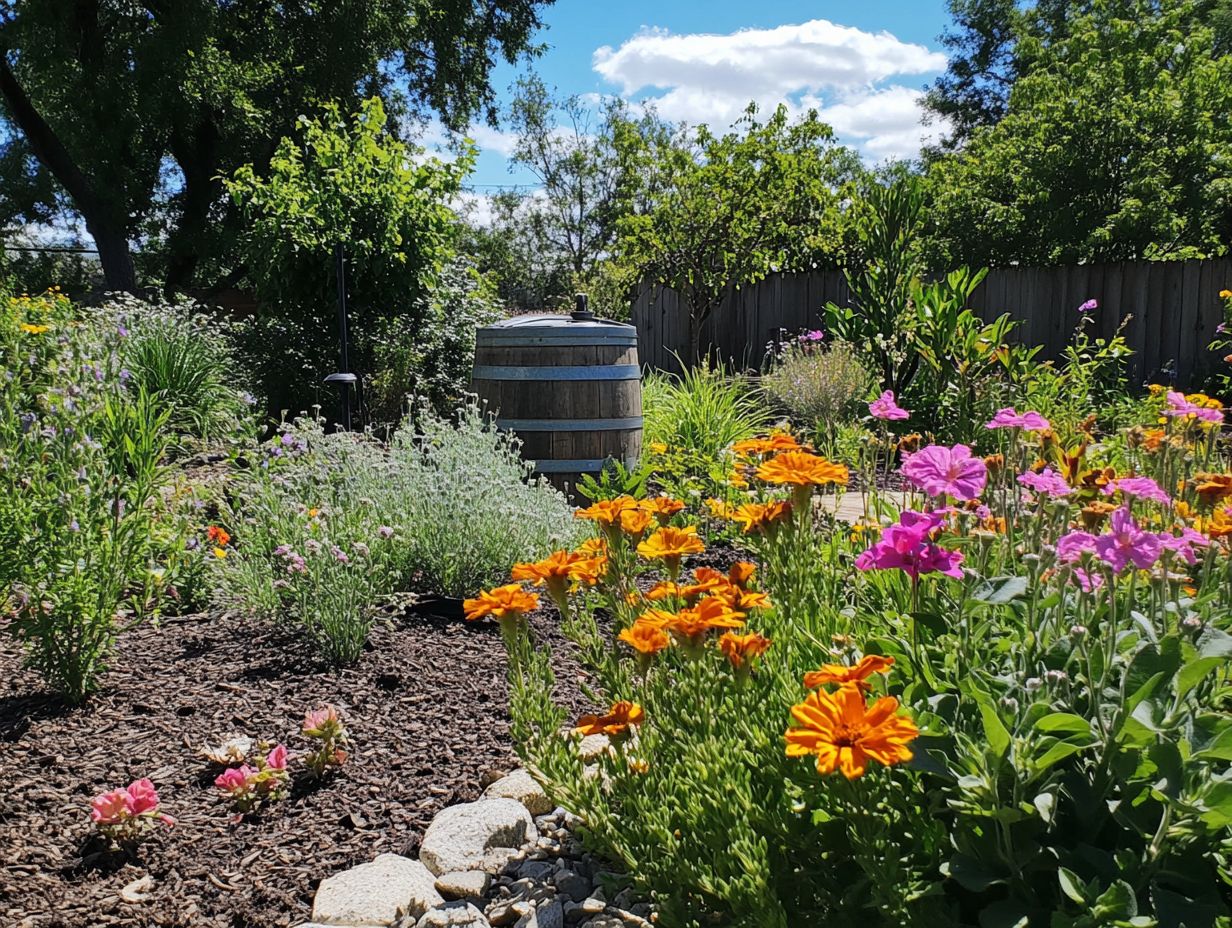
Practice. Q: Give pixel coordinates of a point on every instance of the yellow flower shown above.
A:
(662, 507)
(606, 512)
(670, 544)
(1225, 294)
(801, 469)
(762, 518)
(634, 522)
(646, 638)
(658, 447)
(844, 734)
(220, 552)
(31, 329)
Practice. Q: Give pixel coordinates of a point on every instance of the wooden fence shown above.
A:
(1174, 306)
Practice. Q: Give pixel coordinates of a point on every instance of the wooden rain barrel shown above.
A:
(568, 386)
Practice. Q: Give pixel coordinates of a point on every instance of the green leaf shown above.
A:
(1214, 643)
(997, 591)
(1195, 672)
(1117, 902)
(998, 736)
(1055, 754)
(1064, 722)
(1219, 747)
(1005, 913)
(970, 873)
(1072, 886)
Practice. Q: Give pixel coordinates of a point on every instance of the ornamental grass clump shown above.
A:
(1001, 698)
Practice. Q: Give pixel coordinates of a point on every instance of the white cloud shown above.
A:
(839, 70)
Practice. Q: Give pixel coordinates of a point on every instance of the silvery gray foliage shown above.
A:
(815, 385)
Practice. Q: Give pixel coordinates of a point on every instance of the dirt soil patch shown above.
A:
(426, 707)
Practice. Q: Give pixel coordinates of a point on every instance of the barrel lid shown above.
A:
(551, 327)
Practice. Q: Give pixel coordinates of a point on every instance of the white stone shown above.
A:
(592, 746)
(453, 915)
(482, 835)
(551, 915)
(376, 893)
(520, 785)
(464, 884)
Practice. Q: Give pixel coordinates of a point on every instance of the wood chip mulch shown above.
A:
(425, 706)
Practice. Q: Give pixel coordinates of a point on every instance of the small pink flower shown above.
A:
(1088, 580)
(938, 471)
(276, 759)
(886, 408)
(1089, 306)
(235, 780)
(1127, 544)
(1180, 406)
(316, 719)
(1009, 418)
(142, 796)
(1183, 545)
(1047, 483)
(908, 547)
(1073, 545)
(110, 808)
(1141, 487)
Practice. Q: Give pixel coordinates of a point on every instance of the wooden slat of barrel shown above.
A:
(574, 405)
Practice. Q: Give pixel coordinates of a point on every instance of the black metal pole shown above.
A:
(340, 269)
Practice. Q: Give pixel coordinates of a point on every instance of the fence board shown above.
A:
(1175, 308)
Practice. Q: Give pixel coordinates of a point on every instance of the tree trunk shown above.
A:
(109, 235)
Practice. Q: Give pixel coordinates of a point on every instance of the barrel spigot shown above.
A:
(581, 309)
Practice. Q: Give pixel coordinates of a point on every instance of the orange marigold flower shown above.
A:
(218, 536)
(719, 509)
(1211, 488)
(1217, 525)
(664, 507)
(589, 570)
(745, 600)
(615, 724)
(762, 518)
(634, 522)
(606, 512)
(844, 734)
(645, 638)
(554, 571)
(670, 544)
(843, 675)
(660, 618)
(801, 469)
(593, 547)
(690, 625)
(1094, 513)
(741, 573)
(503, 602)
(742, 650)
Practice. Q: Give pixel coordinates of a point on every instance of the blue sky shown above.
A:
(862, 64)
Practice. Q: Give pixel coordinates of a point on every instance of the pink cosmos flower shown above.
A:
(908, 547)
(110, 808)
(1127, 544)
(938, 470)
(1009, 418)
(1047, 482)
(886, 408)
(1180, 406)
(1141, 487)
(1073, 545)
(1089, 306)
(276, 759)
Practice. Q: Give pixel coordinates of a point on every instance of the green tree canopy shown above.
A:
(1117, 145)
(137, 109)
(705, 214)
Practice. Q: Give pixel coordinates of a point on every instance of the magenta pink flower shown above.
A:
(886, 408)
(235, 780)
(1089, 306)
(1073, 545)
(276, 759)
(1141, 487)
(938, 470)
(1180, 406)
(1047, 483)
(142, 797)
(1088, 580)
(1009, 418)
(908, 547)
(1183, 545)
(1127, 544)
(110, 808)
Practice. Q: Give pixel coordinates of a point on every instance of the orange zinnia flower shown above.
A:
(218, 536)
(503, 602)
(663, 507)
(670, 544)
(844, 734)
(592, 547)
(615, 724)
(689, 626)
(763, 518)
(801, 469)
(756, 447)
(843, 675)
(606, 512)
(589, 570)
(554, 571)
(741, 573)
(742, 650)
(645, 638)
(659, 618)
(634, 522)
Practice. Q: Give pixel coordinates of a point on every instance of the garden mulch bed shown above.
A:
(425, 705)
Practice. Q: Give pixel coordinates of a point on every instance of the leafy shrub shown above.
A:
(80, 470)
(1007, 713)
(184, 361)
(430, 353)
(704, 410)
(815, 385)
(331, 523)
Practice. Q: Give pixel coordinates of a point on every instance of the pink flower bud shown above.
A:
(110, 808)
(142, 797)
